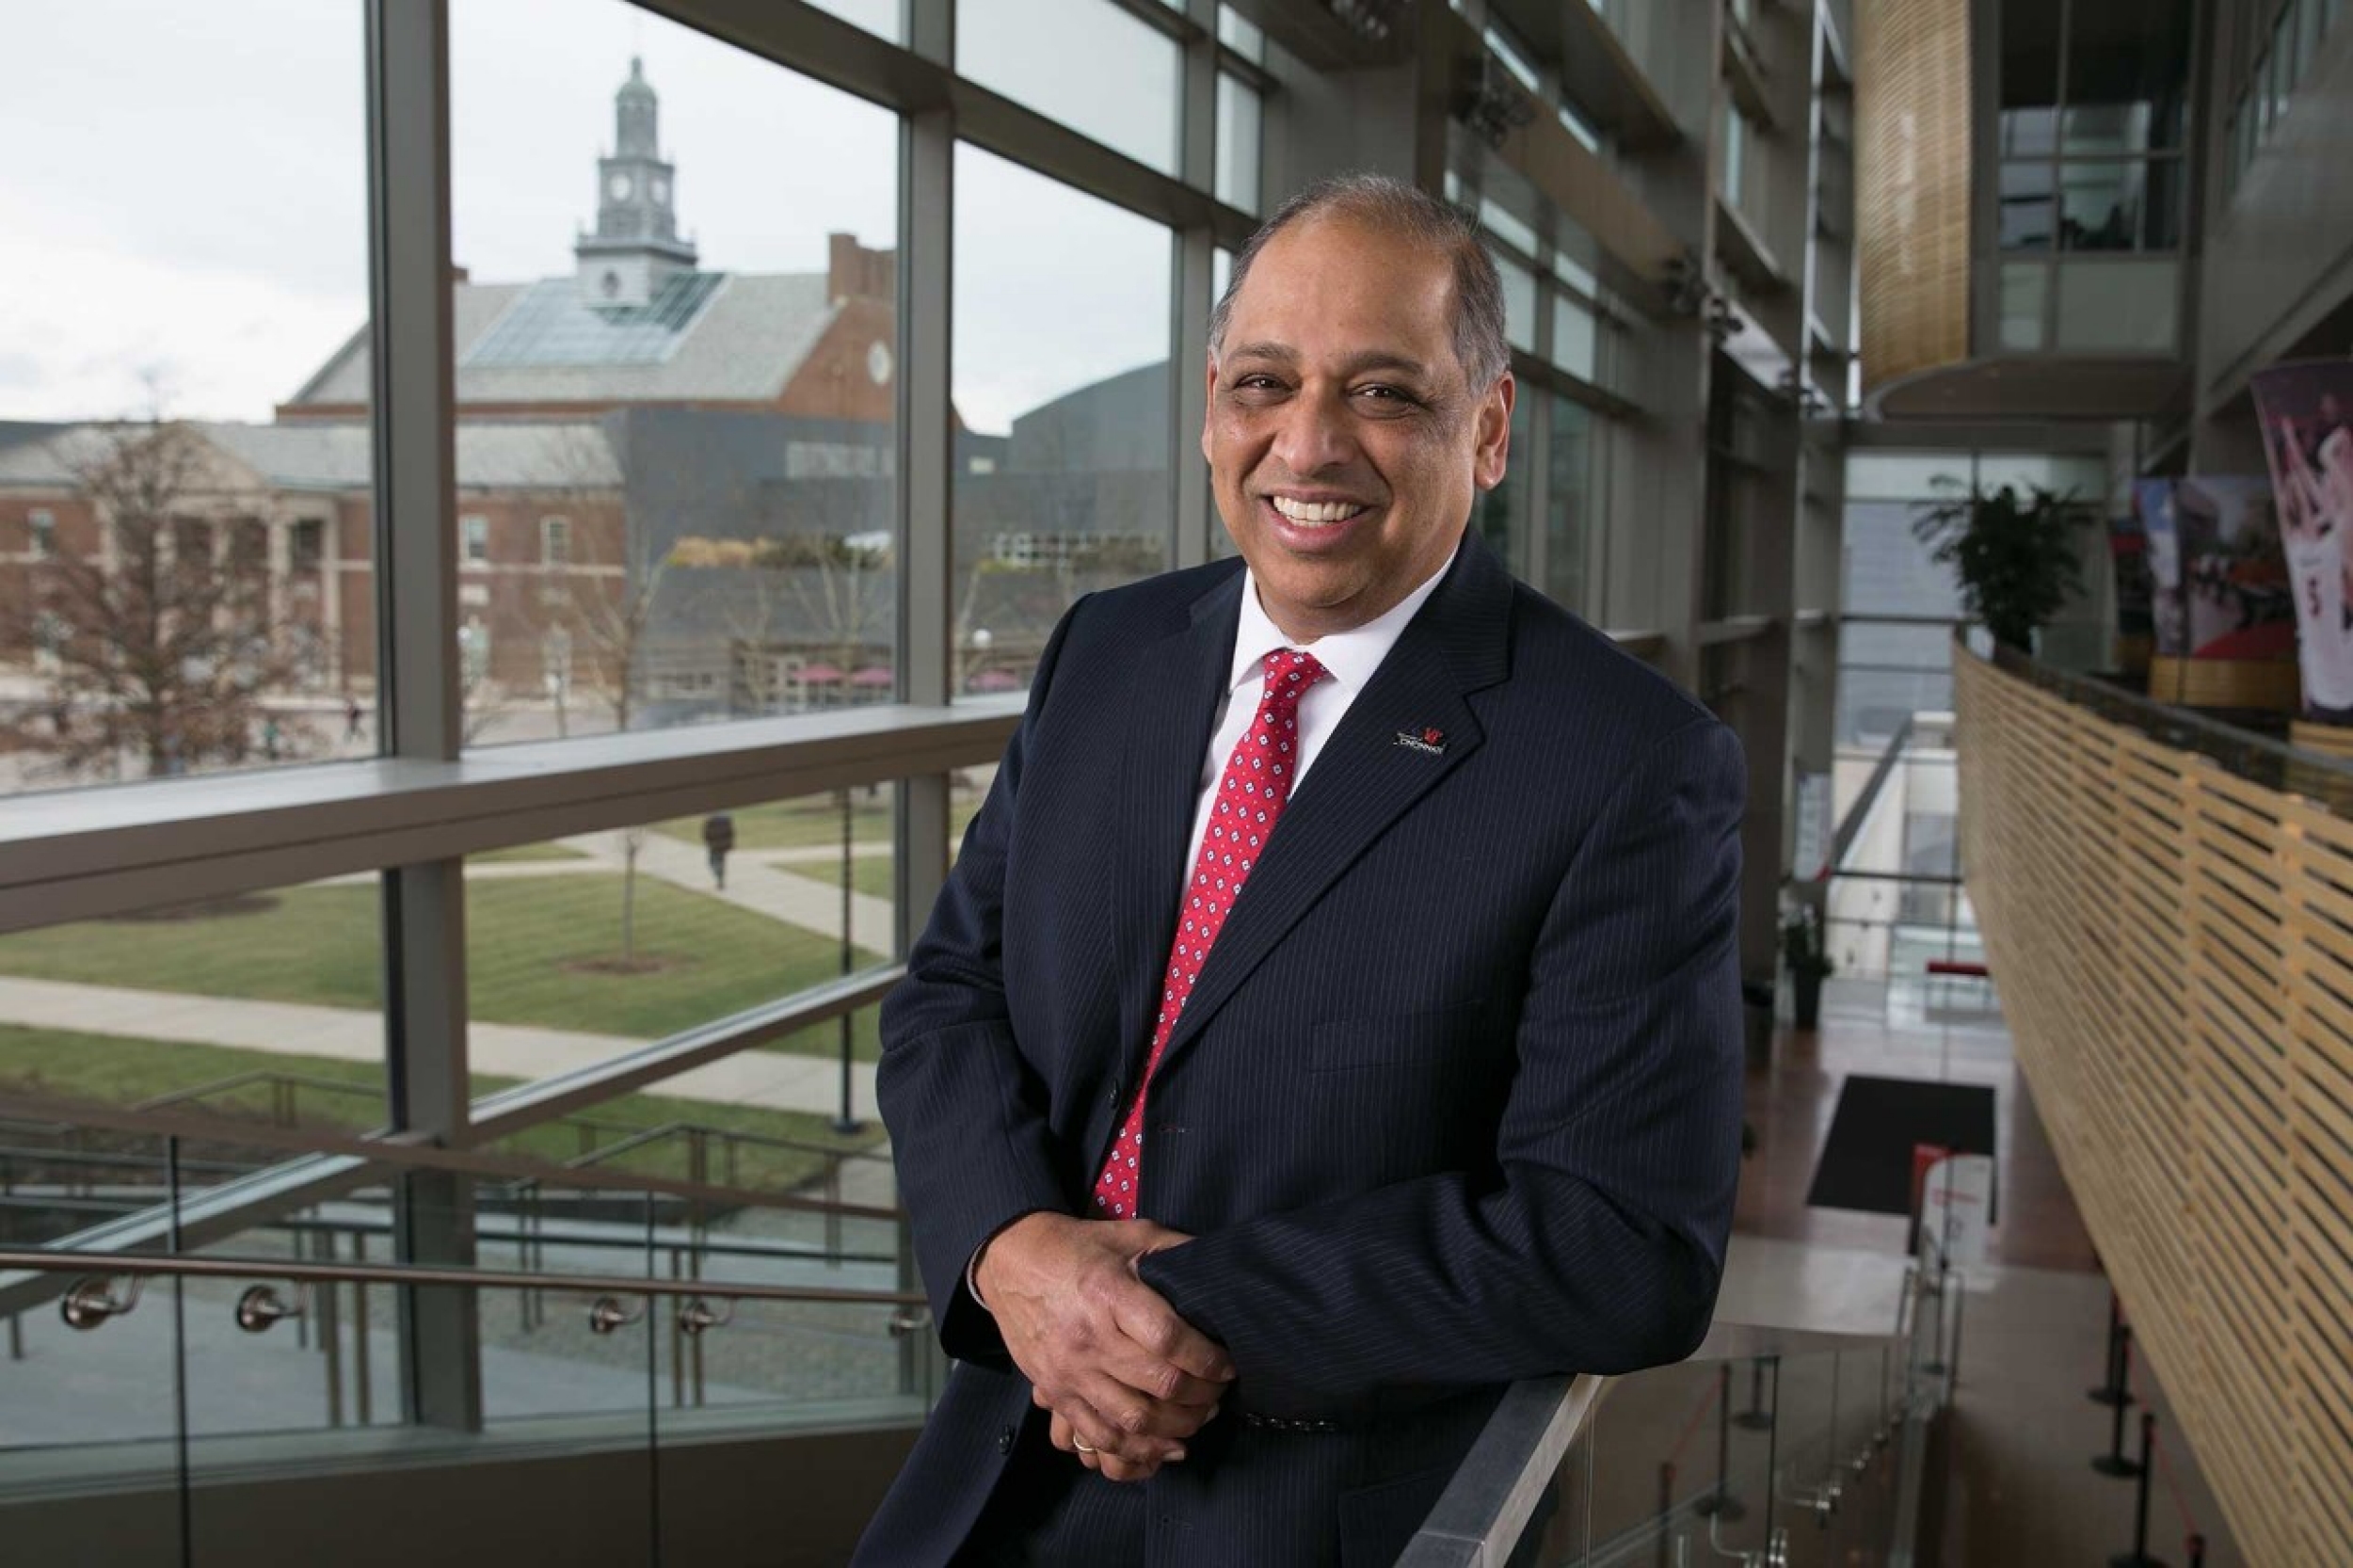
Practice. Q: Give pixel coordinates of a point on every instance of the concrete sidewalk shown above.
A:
(780, 895)
(770, 1080)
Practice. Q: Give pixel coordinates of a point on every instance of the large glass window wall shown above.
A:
(185, 574)
(2091, 190)
(533, 900)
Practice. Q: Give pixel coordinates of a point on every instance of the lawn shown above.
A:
(538, 950)
(817, 819)
(871, 875)
(525, 852)
(119, 1071)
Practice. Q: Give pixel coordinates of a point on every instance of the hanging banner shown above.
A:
(2128, 557)
(2223, 619)
(2306, 413)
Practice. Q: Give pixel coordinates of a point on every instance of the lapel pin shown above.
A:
(1430, 742)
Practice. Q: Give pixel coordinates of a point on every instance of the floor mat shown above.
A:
(1866, 1160)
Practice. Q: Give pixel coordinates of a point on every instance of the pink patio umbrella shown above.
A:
(872, 677)
(819, 675)
(994, 680)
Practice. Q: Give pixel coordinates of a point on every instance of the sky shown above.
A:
(186, 206)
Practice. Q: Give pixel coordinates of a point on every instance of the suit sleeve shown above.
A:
(966, 1116)
(1597, 1242)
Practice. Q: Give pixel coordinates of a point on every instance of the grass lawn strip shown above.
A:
(119, 1071)
(534, 948)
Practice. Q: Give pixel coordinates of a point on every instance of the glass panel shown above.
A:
(2126, 306)
(1087, 63)
(1238, 114)
(1514, 56)
(662, 562)
(1569, 504)
(1519, 304)
(1500, 512)
(1888, 672)
(2086, 477)
(544, 1352)
(1240, 34)
(2025, 293)
(263, 1006)
(196, 602)
(1573, 338)
(1901, 475)
(1493, 215)
(880, 17)
(2029, 133)
(2125, 205)
(583, 948)
(98, 1405)
(1061, 386)
(2026, 206)
(2127, 76)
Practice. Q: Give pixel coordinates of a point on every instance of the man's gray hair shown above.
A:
(1394, 207)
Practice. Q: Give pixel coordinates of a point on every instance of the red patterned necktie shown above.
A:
(1250, 796)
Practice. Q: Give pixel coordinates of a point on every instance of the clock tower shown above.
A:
(635, 248)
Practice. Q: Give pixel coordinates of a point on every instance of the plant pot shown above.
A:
(1806, 992)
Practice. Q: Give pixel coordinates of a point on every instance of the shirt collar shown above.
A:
(1349, 657)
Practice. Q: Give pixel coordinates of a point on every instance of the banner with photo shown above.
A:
(2218, 584)
(2128, 557)
(2306, 413)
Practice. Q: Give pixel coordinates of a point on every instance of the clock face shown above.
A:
(878, 364)
(662, 190)
(619, 186)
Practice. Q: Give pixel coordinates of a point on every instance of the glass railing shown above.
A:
(165, 1347)
(1770, 1448)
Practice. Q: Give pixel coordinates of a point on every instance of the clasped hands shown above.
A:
(1128, 1380)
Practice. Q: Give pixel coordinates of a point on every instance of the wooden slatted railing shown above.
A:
(2174, 945)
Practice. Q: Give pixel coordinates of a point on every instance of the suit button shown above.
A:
(1005, 1440)
(1114, 1095)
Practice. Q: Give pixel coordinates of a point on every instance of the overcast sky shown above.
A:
(186, 197)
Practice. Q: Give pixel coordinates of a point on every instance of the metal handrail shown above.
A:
(1479, 1518)
(295, 1270)
(412, 1150)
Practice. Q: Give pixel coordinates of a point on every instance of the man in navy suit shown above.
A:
(1333, 1015)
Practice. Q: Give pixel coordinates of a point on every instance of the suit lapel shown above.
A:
(1365, 777)
(1164, 734)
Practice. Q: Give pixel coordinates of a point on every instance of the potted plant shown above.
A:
(1809, 964)
(2013, 550)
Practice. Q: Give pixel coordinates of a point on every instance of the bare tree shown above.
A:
(159, 645)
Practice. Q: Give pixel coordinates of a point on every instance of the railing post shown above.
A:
(2139, 1557)
(1666, 1509)
(1754, 1419)
(2113, 1463)
(1720, 1502)
(2113, 1391)
(365, 1400)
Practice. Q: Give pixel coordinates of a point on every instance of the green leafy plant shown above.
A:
(1802, 944)
(2013, 550)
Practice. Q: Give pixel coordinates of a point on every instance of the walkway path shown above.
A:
(779, 895)
(771, 1080)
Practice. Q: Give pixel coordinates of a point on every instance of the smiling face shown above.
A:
(1345, 442)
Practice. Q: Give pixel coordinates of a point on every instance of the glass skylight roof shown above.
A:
(551, 325)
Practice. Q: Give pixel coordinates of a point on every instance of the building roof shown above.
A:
(706, 336)
(490, 455)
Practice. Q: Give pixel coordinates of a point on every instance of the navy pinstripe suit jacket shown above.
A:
(1455, 1102)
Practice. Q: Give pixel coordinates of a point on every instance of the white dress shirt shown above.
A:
(1349, 659)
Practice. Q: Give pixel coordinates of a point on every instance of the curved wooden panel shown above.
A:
(2175, 951)
(1911, 198)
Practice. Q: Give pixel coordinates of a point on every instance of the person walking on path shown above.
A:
(719, 837)
(351, 719)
